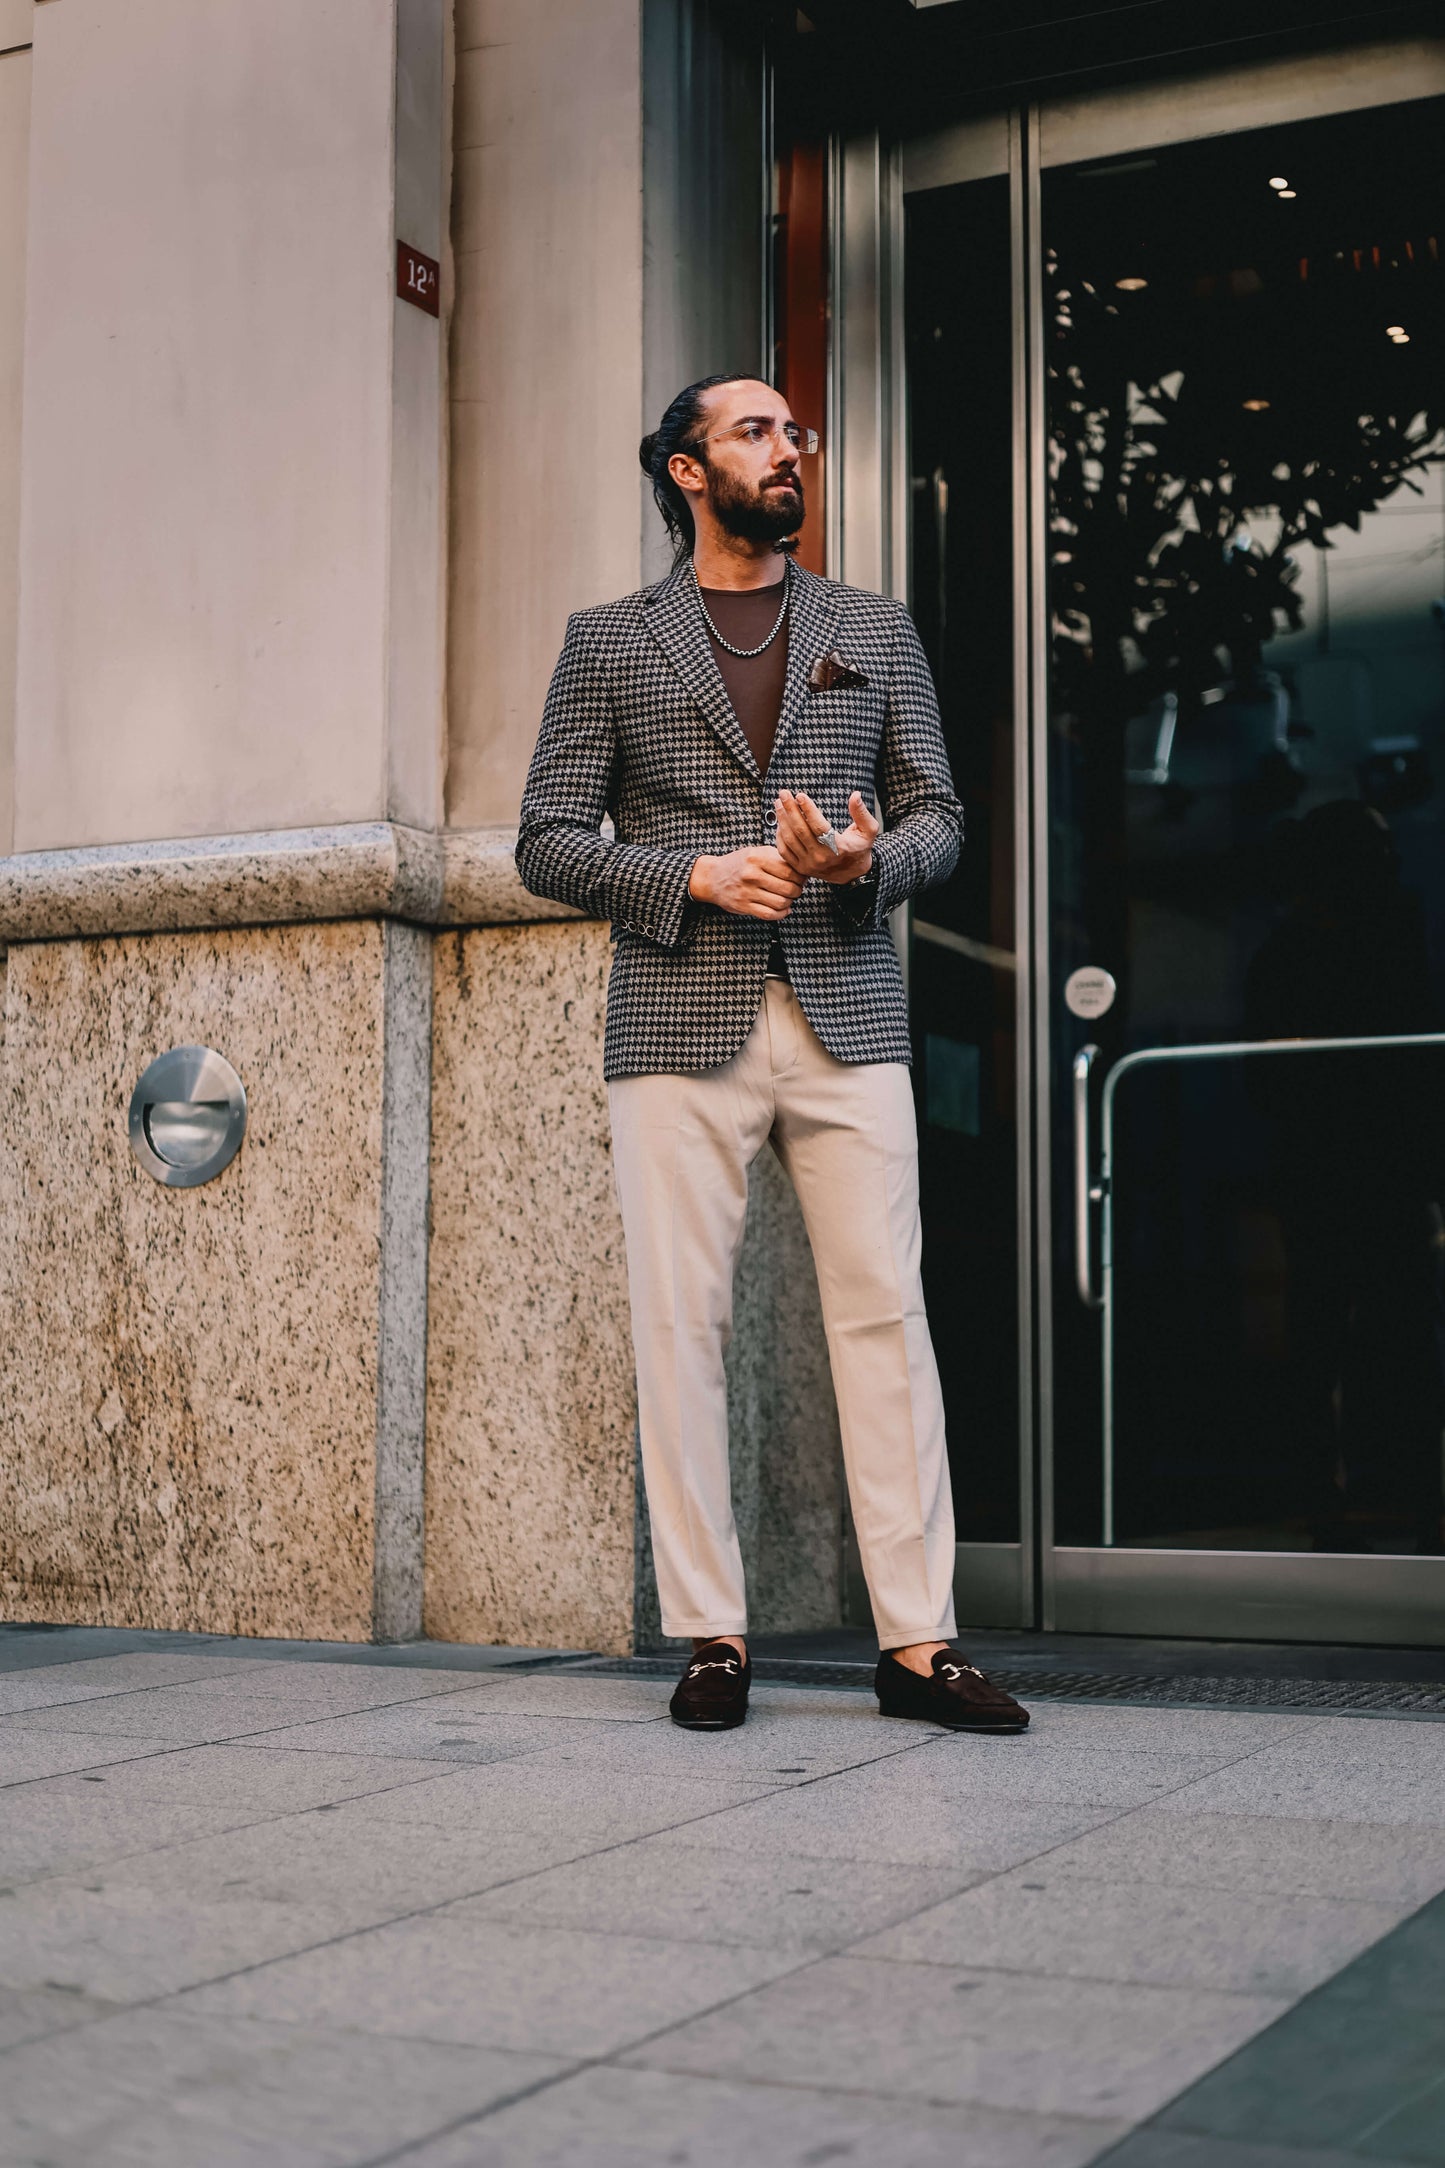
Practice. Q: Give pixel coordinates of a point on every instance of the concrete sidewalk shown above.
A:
(294, 1913)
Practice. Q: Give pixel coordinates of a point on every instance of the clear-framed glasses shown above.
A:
(759, 432)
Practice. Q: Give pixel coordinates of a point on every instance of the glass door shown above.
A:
(1218, 535)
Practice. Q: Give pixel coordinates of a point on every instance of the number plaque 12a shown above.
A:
(418, 279)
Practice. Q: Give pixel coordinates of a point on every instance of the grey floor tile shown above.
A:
(26, 1755)
(780, 1746)
(1005, 2040)
(361, 1870)
(52, 1685)
(334, 1686)
(563, 1693)
(687, 1894)
(1156, 1933)
(162, 2089)
(1227, 1733)
(430, 1732)
(451, 1976)
(866, 1815)
(1377, 1862)
(250, 1780)
(66, 1825)
(1338, 1770)
(192, 1715)
(580, 1806)
(33, 2013)
(611, 2118)
(124, 1942)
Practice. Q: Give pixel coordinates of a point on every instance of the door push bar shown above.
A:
(1093, 1192)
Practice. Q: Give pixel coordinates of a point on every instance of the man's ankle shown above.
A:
(918, 1656)
(708, 1641)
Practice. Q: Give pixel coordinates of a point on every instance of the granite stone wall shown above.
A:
(188, 1378)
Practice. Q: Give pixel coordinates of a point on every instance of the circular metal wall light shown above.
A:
(187, 1116)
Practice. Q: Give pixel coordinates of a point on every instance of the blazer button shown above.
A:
(770, 816)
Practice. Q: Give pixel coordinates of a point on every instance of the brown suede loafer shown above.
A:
(712, 1694)
(957, 1695)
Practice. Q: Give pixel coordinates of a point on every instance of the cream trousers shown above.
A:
(847, 1139)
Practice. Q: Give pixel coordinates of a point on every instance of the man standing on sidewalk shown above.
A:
(739, 721)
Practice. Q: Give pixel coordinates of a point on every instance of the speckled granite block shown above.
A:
(188, 1378)
(531, 1403)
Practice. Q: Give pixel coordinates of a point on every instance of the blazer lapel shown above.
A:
(811, 619)
(672, 616)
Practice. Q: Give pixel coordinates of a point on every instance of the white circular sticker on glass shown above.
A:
(1089, 992)
(187, 1117)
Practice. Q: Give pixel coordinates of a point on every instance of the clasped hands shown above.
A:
(765, 880)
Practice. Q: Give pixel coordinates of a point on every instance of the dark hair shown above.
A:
(680, 430)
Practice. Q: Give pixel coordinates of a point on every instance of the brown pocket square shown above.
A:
(834, 673)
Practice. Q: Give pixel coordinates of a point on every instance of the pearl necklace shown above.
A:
(746, 654)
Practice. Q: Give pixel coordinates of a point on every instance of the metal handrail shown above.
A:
(1102, 1192)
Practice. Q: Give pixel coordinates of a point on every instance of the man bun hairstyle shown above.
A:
(681, 430)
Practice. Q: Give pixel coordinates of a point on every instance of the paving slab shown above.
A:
(864, 1815)
(564, 1693)
(65, 1825)
(361, 1870)
(165, 2089)
(33, 2013)
(428, 1731)
(26, 1755)
(610, 2118)
(95, 1678)
(125, 1943)
(776, 1744)
(1338, 1770)
(192, 1715)
(452, 1976)
(581, 1806)
(1377, 1862)
(1157, 1933)
(939, 2033)
(685, 1893)
(248, 1780)
(1229, 1733)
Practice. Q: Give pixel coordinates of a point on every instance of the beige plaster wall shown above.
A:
(14, 191)
(205, 514)
(546, 374)
(531, 1409)
(188, 1377)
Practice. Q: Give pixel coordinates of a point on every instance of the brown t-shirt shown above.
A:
(755, 685)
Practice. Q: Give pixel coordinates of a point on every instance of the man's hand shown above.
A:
(799, 826)
(754, 883)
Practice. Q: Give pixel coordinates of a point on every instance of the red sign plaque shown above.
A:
(418, 279)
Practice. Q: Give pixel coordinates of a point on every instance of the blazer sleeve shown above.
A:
(922, 819)
(560, 850)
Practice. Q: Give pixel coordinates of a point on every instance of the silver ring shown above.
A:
(830, 839)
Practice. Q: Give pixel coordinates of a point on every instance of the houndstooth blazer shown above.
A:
(638, 724)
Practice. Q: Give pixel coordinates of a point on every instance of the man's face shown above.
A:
(754, 474)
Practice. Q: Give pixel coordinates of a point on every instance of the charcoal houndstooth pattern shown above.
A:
(638, 724)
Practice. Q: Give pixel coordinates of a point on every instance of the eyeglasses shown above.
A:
(759, 432)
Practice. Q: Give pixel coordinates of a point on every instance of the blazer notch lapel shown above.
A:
(673, 618)
(813, 615)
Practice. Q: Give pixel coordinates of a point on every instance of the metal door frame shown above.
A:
(1038, 1582)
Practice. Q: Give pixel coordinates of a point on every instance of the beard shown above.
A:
(769, 512)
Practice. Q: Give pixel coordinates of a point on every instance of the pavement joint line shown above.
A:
(419, 1912)
(239, 1738)
(813, 1958)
